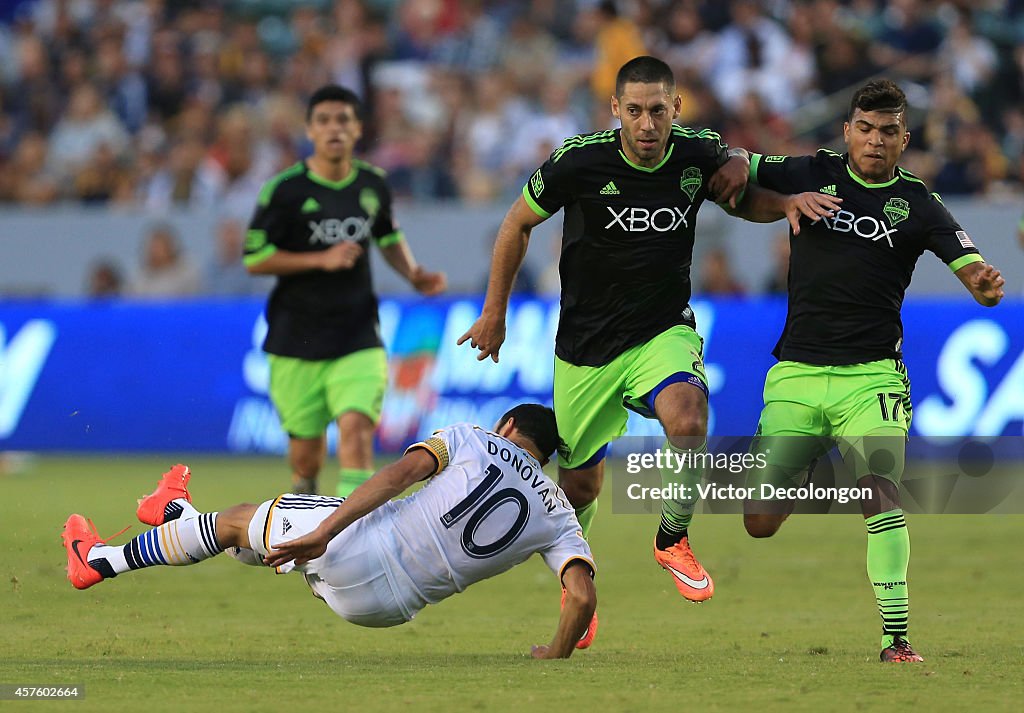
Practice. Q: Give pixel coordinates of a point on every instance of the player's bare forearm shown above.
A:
(341, 256)
(399, 256)
(488, 332)
(509, 251)
(388, 482)
(984, 282)
(284, 262)
(761, 205)
(580, 603)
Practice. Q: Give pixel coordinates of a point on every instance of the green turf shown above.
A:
(792, 625)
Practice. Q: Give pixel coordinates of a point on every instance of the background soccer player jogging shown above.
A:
(626, 335)
(840, 376)
(376, 563)
(312, 228)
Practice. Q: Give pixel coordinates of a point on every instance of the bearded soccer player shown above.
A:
(840, 376)
(626, 334)
(374, 562)
(312, 229)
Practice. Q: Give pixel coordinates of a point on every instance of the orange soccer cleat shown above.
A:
(690, 578)
(173, 485)
(79, 536)
(899, 651)
(588, 636)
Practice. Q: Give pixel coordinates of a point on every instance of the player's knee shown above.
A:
(233, 525)
(355, 424)
(762, 525)
(687, 431)
(305, 464)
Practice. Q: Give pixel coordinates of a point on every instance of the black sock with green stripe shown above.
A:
(683, 473)
(888, 558)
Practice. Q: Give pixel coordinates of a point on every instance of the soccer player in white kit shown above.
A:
(374, 561)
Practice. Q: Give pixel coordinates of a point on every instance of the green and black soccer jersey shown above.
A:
(318, 314)
(627, 239)
(848, 274)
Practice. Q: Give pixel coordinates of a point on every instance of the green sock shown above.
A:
(585, 515)
(351, 478)
(888, 557)
(677, 513)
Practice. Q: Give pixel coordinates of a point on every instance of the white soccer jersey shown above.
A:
(488, 508)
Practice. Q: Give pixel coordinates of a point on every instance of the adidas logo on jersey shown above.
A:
(310, 206)
(610, 189)
(829, 190)
(285, 526)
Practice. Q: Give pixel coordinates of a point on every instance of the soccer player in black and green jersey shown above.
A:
(626, 334)
(313, 228)
(840, 377)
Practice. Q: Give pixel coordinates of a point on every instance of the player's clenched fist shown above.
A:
(342, 256)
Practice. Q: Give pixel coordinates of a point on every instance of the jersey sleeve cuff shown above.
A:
(965, 260)
(259, 256)
(755, 161)
(533, 204)
(435, 447)
(590, 564)
(390, 239)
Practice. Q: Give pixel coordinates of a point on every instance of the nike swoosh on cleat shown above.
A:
(74, 546)
(695, 583)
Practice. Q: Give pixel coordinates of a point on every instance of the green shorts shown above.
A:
(591, 401)
(864, 408)
(308, 395)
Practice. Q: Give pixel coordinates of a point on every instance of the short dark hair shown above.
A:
(646, 70)
(879, 95)
(334, 93)
(537, 423)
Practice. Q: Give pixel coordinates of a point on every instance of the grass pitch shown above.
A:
(792, 625)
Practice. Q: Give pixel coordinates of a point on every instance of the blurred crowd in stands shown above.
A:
(156, 103)
(160, 104)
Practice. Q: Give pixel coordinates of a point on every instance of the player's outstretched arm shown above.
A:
(389, 481)
(401, 260)
(580, 603)
(488, 332)
(761, 205)
(983, 281)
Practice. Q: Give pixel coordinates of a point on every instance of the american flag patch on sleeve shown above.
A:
(964, 238)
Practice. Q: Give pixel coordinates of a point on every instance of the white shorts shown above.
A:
(349, 576)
